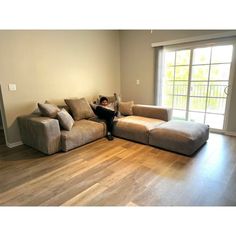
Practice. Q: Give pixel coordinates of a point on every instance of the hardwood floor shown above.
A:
(120, 173)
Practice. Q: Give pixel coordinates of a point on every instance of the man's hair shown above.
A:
(103, 99)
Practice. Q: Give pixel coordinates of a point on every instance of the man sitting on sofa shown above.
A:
(106, 112)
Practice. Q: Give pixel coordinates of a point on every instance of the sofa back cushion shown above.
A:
(125, 108)
(60, 104)
(155, 112)
(80, 108)
(48, 110)
(65, 119)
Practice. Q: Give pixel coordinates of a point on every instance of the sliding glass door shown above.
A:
(195, 83)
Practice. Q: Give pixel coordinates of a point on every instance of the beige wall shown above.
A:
(137, 63)
(55, 65)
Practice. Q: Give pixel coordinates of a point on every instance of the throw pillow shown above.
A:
(49, 110)
(80, 108)
(60, 105)
(125, 108)
(65, 119)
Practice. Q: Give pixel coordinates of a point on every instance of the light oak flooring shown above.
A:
(120, 173)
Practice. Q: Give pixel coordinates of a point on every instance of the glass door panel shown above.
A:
(198, 89)
(216, 105)
(218, 89)
(180, 102)
(201, 56)
(195, 83)
(179, 114)
(197, 104)
(214, 121)
(200, 72)
(196, 116)
(220, 72)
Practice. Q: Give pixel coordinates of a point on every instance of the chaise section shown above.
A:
(82, 132)
(135, 128)
(154, 112)
(184, 137)
(41, 133)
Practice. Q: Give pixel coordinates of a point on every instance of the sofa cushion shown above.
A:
(179, 136)
(154, 112)
(125, 108)
(80, 108)
(135, 128)
(82, 132)
(60, 104)
(48, 110)
(65, 119)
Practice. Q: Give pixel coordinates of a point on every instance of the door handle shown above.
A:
(226, 89)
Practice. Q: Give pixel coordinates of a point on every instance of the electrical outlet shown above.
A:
(137, 82)
(12, 87)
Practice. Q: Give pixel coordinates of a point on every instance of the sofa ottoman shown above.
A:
(184, 137)
(135, 128)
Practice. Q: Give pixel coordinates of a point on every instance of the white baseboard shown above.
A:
(12, 145)
(230, 133)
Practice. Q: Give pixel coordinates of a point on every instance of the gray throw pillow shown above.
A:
(65, 119)
(48, 110)
(80, 108)
(125, 108)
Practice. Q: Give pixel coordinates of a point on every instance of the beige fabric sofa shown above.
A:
(148, 125)
(145, 118)
(153, 125)
(184, 137)
(45, 135)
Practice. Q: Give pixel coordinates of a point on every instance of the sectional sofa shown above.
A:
(150, 125)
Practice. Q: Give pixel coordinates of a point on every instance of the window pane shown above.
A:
(168, 88)
(217, 89)
(197, 104)
(201, 55)
(196, 116)
(167, 101)
(200, 72)
(181, 72)
(215, 121)
(220, 72)
(183, 57)
(169, 58)
(198, 89)
(222, 54)
(179, 115)
(169, 73)
(181, 88)
(180, 102)
(216, 105)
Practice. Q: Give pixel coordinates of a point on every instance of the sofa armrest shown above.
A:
(41, 133)
(155, 112)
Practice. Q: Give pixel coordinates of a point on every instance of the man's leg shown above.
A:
(108, 116)
(104, 113)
